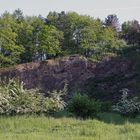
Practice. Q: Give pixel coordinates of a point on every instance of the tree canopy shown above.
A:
(34, 38)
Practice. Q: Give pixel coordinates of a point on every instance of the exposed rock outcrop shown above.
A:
(51, 74)
(109, 75)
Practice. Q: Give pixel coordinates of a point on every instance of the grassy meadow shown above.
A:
(107, 127)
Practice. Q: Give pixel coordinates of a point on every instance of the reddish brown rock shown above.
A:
(74, 70)
(51, 74)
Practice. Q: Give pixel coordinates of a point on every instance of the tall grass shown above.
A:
(45, 128)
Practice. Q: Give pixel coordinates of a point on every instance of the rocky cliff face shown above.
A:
(108, 75)
(111, 76)
(51, 74)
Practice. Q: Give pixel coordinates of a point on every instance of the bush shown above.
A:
(14, 99)
(56, 97)
(84, 107)
(127, 107)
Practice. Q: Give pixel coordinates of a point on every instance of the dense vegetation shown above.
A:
(30, 38)
(15, 100)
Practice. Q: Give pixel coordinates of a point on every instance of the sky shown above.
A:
(124, 9)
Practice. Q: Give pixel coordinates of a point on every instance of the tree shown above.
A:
(72, 25)
(29, 38)
(18, 14)
(86, 35)
(9, 50)
(49, 42)
(92, 39)
(85, 40)
(52, 18)
(25, 39)
(63, 23)
(113, 22)
(109, 42)
(131, 32)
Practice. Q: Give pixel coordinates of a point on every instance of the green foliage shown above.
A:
(14, 99)
(25, 39)
(84, 107)
(126, 106)
(9, 50)
(86, 35)
(49, 38)
(130, 32)
(31, 38)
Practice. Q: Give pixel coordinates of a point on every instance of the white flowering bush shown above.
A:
(14, 99)
(127, 107)
(56, 97)
(4, 104)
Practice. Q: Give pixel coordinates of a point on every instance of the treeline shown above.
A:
(30, 38)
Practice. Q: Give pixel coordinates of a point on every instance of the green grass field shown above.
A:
(108, 127)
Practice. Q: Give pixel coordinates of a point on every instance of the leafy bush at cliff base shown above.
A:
(83, 106)
(14, 99)
(56, 98)
(126, 106)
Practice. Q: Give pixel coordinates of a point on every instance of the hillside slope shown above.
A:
(100, 80)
